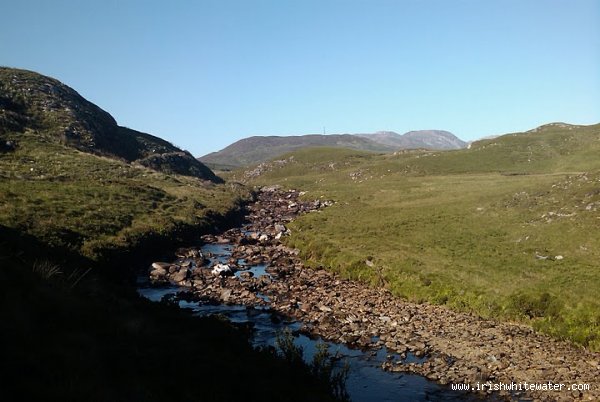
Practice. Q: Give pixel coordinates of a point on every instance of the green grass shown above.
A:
(88, 203)
(463, 228)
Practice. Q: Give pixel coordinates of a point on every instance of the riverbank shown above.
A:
(72, 331)
(460, 348)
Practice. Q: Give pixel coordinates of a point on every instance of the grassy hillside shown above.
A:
(89, 203)
(505, 229)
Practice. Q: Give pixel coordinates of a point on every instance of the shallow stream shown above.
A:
(366, 380)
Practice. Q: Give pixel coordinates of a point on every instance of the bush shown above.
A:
(322, 366)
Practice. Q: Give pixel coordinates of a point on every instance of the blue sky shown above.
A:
(203, 74)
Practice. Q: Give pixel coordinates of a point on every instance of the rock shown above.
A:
(158, 271)
(264, 280)
(246, 275)
(161, 265)
(279, 228)
(180, 275)
(325, 309)
(222, 270)
(189, 253)
(226, 295)
(193, 253)
(270, 189)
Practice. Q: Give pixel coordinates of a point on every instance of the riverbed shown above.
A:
(367, 381)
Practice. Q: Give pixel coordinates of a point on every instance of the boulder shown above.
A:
(159, 270)
(161, 265)
(222, 270)
(180, 275)
(226, 295)
(246, 275)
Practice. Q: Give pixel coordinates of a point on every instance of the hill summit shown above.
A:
(31, 102)
(252, 150)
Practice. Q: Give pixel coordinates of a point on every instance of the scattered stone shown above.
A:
(450, 347)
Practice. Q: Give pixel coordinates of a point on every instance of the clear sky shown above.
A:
(203, 74)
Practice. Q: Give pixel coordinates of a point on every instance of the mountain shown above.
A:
(257, 149)
(33, 103)
(428, 139)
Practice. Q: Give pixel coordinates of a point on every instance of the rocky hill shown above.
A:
(33, 103)
(258, 149)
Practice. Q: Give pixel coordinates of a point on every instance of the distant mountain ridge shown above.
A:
(256, 149)
(429, 139)
(31, 102)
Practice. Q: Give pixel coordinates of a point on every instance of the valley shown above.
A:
(480, 262)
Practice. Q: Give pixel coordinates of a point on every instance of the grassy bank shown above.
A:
(95, 205)
(505, 229)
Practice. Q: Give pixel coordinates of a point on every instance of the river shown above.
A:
(367, 381)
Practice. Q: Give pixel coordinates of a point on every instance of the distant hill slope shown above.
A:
(428, 139)
(550, 148)
(31, 102)
(252, 150)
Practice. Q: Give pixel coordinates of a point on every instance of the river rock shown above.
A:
(222, 270)
(159, 270)
(246, 275)
(180, 275)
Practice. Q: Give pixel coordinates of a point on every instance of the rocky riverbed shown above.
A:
(456, 347)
